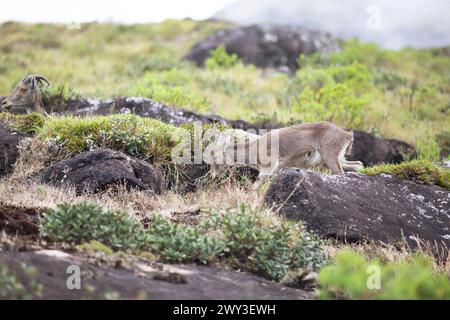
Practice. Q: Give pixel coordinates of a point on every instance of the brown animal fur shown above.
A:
(306, 146)
(26, 97)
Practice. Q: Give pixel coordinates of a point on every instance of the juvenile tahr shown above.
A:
(26, 97)
(305, 146)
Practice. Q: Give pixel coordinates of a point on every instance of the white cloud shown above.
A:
(127, 11)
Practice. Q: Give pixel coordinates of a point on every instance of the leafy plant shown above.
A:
(83, 222)
(351, 276)
(419, 171)
(181, 243)
(263, 244)
(247, 239)
(333, 102)
(220, 58)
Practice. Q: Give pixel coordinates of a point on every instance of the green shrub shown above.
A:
(140, 137)
(176, 242)
(333, 102)
(419, 171)
(261, 243)
(252, 240)
(220, 58)
(350, 275)
(83, 222)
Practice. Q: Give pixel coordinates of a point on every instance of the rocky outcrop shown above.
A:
(355, 207)
(96, 170)
(366, 148)
(372, 150)
(265, 46)
(9, 141)
(138, 279)
(145, 108)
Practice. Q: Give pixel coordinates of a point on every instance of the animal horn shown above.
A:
(41, 78)
(35, 77)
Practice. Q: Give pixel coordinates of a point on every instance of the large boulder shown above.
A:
(99, 169)
(355, 207)
(265, 46)
(9, 141)
(136, 278)
(372, 150)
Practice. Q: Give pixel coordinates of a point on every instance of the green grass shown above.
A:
(400, 94)
(144, 138)
(29, 124)
(419, 171)
(352, 276)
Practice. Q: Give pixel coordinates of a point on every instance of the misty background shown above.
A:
(391, 24)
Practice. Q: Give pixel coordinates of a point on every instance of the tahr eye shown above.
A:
(23, 89)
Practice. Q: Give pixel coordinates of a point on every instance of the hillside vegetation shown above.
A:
(399, 94)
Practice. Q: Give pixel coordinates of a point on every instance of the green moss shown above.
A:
(29, 124)
(140, 137)
(94, 246)
(352, 276)
(419, 171)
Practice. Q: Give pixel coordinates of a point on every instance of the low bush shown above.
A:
(256, 241)
(220, 58)
(352, 276)
(264, 244)
(84, 222)
(419, 171)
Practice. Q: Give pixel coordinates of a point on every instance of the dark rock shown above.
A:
(366, 148)
(265, 46)
(155, 281)
(99, 169)
(372, 150)
(145, 108)
(9, 140)
(358, 207)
